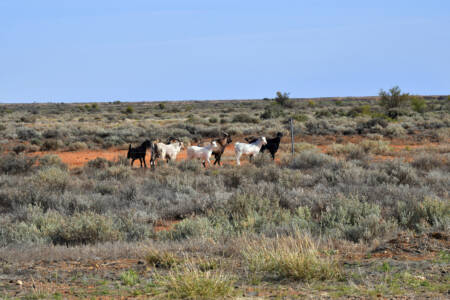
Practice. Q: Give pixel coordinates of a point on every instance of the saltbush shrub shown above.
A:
(16, 164)
(309, 160)
(244, 118)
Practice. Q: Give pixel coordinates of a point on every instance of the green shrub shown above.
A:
(355, 220)
(16, 164)
(51, 145)
(76, 146)
(418, 104)
(52, 178)
(86, 228)
(395, 130)
(244, 118)
(213, 120)
(118, 172)
(27, 134)
(129, 109)
(422, 215)
(427, 162)
(300, 117)
(378, 147)
(51, 160)
(99, 163)
(309, 160)
(272, 112)
(191, 227)
(19, 233)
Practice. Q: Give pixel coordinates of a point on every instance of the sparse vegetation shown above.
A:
(359, 179)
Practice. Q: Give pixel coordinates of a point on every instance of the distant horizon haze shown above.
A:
(140, 51)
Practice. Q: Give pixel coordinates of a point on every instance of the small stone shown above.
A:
(19, 282)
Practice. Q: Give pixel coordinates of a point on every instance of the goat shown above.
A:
(203, 153)
(138, 152)
(222, 144)
(164, 151)
(248, 149)
(272, 144)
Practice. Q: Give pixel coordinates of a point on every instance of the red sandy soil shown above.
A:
(79, 158)
(165, 225)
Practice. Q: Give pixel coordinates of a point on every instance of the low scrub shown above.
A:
(16, 164)
(161, 259)
(310, 160)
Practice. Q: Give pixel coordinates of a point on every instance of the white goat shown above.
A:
(167, 152)
(204, 153)
(248, 149)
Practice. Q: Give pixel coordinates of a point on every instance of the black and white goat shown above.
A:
(272, 144)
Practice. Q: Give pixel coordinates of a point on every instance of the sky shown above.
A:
(145, 50)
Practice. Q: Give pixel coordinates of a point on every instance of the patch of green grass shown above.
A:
(443, 257)
(130, 278)
(207, 265)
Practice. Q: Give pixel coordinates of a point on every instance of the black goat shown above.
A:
(272, 144)
(138, 152)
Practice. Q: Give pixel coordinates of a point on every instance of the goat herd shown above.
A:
(169, 151)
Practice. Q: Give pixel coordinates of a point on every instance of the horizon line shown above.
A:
(195, 100)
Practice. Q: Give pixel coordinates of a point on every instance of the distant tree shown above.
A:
(129, 109)
(283, 99)
(161, 106)
(393, 98)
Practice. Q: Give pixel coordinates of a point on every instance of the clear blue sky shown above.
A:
(139, 50)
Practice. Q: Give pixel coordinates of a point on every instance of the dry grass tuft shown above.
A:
(189, 282)
(294, 258)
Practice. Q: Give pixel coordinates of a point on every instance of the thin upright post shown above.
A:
(292, 136)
